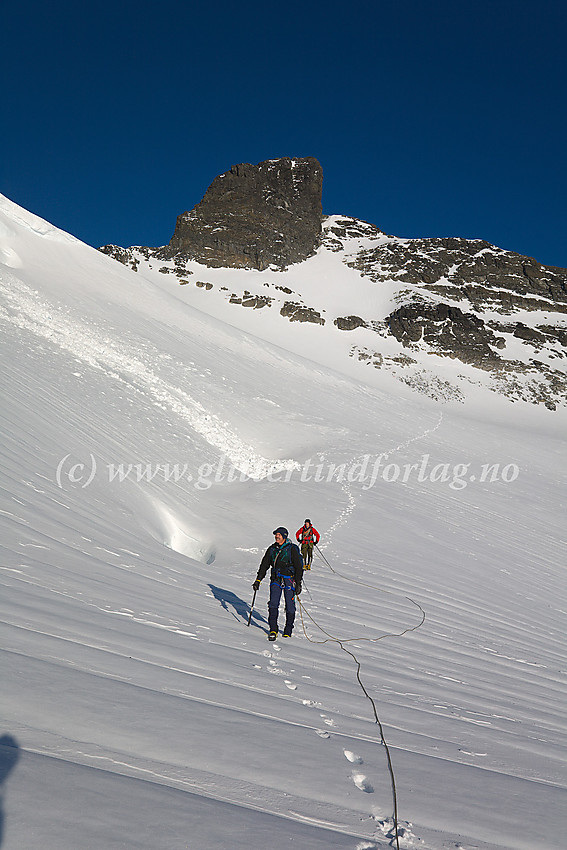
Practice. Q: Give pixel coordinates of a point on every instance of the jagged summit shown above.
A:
(441, 314)
(254, 216)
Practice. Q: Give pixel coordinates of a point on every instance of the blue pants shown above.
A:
(286, 585)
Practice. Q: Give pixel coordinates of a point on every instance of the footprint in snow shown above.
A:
(362, 783)
(405, 833)
(352, 757)
(322, 733)
(290, 685)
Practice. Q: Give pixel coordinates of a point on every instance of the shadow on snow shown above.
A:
(9, 755)
(241, 608)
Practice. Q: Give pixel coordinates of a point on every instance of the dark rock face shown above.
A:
(299, 313)
(463, 299)
(249, 300)
(122, 255)
(349, 323)
(432, 274)
(487, 276)
(448, 331)
(540, 337)
(254, 216)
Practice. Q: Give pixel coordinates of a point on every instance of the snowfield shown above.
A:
(150, 444)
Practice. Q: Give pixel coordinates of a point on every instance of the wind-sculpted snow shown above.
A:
(138, 708)
(30, 222)
(96, 347)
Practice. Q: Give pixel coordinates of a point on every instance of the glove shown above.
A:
(298, 588)
(256, 585)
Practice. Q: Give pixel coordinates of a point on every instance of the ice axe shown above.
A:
(252, 606)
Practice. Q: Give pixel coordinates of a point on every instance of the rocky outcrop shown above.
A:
(446, 330)
(126, 256)
(499, 314)
(432, 276)
(349, 323)
(538, 337)
(249, 300)
(299, 313)
(345, 228)
(472, 270)
(254, 216)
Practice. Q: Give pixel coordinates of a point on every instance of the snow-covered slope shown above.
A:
(149, 448)
(446, 317)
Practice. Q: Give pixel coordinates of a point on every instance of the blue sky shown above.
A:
(429, 119)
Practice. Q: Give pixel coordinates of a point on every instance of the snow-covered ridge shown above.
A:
(19, 216)
(386, 303)
(435, 293)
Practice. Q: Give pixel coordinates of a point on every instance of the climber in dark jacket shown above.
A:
(285, 563)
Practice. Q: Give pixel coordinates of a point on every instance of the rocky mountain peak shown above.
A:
(499, 317)
(254, 216)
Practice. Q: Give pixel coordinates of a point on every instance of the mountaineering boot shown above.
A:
(286, 634)
(272, 635)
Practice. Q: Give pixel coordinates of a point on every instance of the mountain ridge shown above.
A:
(465, 300)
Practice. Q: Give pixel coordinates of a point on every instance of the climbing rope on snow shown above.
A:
(341, 642)
(380, 590)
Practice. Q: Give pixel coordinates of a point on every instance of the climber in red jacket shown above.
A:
(307, 536)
